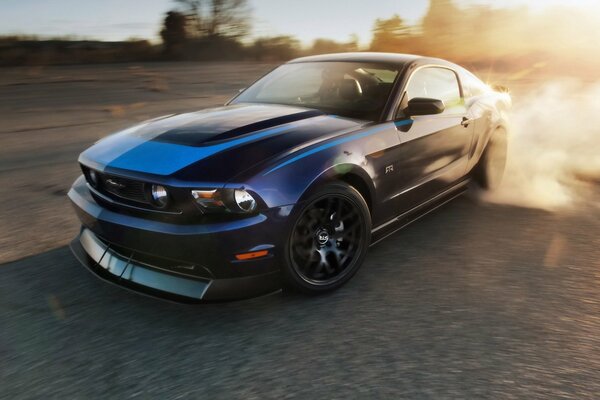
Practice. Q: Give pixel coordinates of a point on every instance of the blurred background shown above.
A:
(495, 295)
(518, 35)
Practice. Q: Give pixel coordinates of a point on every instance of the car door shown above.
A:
(434, 149)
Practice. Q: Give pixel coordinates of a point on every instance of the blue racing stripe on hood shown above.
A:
(166, 158)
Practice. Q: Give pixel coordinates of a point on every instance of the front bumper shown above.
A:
(182, 262)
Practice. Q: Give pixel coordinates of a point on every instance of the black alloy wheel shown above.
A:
(328, 240)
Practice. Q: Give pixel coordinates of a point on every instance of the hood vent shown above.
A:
(186, 137)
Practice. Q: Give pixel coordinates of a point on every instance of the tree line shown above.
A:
(219, 30)
(478, 36)
(563, 38)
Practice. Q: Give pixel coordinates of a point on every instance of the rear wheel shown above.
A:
(328, 240)
(490, 169)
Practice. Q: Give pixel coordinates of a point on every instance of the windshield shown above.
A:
(348, 89)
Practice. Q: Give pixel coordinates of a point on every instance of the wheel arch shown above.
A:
(501, 125)
(350, 174)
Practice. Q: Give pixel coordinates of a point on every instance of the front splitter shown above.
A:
(109, 265)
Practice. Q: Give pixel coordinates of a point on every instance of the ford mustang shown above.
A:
(290, 182)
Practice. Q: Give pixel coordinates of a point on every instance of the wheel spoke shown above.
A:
(324, 241)
(350, 216)
(328, 267)
(328, 210)
(338, 214)
(319, 267)
(352, 227)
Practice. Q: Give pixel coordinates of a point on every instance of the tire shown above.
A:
(327, 240)
(489, 171)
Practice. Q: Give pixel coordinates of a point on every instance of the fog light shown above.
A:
(159, 195)
(93, 177)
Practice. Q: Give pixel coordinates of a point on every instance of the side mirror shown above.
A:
(424, 106)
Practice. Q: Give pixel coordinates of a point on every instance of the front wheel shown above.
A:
(328, 240)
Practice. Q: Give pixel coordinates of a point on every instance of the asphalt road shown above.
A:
(475, 300)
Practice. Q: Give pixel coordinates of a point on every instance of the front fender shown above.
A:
(353, 174)
(287, 180)
(289, 185)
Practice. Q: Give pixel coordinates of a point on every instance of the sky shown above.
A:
(304, 19)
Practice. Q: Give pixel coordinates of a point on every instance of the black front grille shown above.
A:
(124, 188)
(117, 187)
(133, 196)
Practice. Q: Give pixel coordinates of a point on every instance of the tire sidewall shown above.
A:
(291, 277)
(498, 142)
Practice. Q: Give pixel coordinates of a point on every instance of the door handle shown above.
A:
(466, 121)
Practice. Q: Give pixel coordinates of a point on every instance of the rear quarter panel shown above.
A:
(490, 112)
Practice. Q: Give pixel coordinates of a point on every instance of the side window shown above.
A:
(436, 83)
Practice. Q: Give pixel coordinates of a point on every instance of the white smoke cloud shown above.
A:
(554, 148)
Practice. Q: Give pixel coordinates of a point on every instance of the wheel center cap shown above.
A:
(322, 237)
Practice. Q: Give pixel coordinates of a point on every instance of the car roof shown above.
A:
(385, 58)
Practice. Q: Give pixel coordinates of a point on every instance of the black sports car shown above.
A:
(291, 181)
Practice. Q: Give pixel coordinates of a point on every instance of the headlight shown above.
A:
(244, 200)
(160, 196)
(228, 200)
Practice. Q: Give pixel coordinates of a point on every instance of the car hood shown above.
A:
(212, 144)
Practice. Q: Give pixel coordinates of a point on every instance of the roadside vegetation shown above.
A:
(480, 37)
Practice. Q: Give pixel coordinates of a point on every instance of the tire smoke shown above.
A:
(554, 147)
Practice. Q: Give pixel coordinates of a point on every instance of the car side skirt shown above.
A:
(390, 227)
